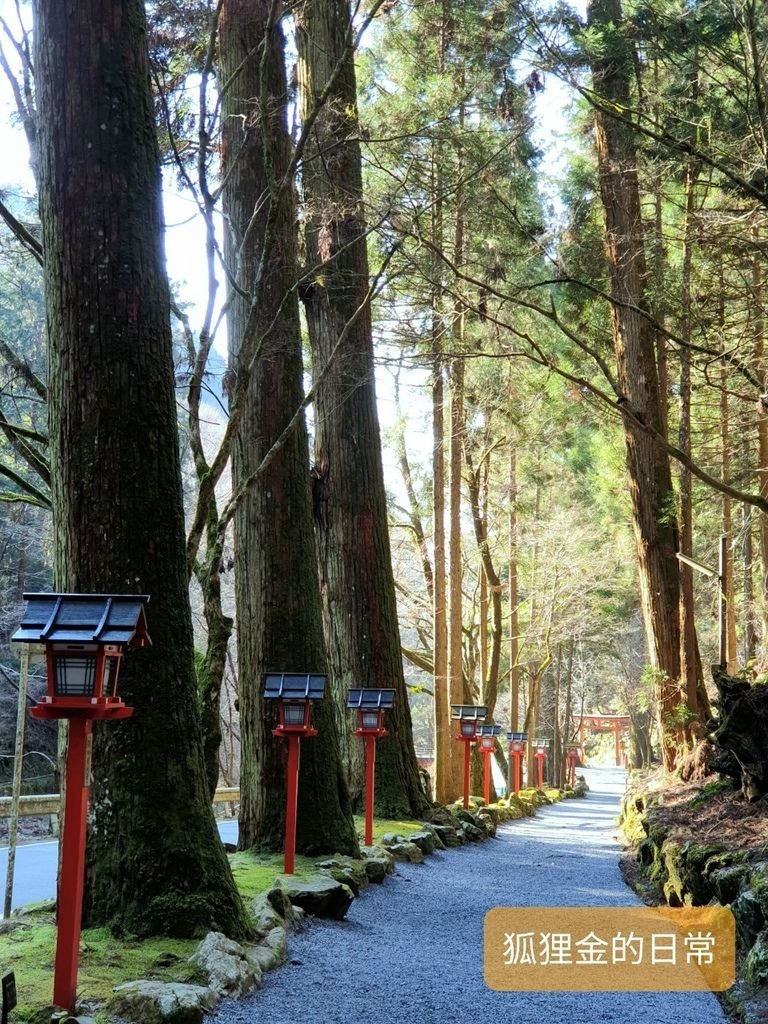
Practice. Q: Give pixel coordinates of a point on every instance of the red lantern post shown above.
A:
(294, 693)
(541, 751)
(572, 759)
(488, 735)
(468, 716)
(85, 636)
(516, 742)
(370, 705)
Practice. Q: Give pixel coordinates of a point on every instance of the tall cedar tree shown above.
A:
(155, 860)
(277, 593)
(650, 480)
(351, 515)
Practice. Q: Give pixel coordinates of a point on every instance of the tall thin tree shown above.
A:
(351, 516)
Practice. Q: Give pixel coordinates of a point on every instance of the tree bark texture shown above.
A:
(213, 665)
(650, 481)
(276, 585)
(357, 583)
(155, 860)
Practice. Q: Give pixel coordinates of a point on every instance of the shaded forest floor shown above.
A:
(708, 811)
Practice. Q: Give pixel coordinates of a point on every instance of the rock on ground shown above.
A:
(231, 969)
(156, 1002)
(319, 897)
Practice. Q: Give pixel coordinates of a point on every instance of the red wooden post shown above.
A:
(70, 896)
(370, 767)
(617, 742)
(487, 780)
(539, 769)
(467, 753)
(516, 772)
(291, 804)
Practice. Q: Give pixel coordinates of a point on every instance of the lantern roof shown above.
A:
(84, 618)
(488, 730)
(516, 736)
(476, 712)
(367, 699)
(294, 686)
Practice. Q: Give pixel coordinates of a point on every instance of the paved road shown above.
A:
(36, 863)
(411, 950)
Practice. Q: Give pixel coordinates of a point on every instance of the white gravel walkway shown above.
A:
(411, 950)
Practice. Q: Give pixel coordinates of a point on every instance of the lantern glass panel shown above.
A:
(467, 728)
(74, 676)
(111, 672)
(370, 719)
(293, 714)
(488, 742)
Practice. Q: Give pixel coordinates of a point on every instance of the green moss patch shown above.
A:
(104, 962)
(382, 825)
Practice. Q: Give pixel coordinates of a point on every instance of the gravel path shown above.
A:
(410, 951)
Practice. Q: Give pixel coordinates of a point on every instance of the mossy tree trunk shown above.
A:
(277, 593)
(360, 611)
(155, 860)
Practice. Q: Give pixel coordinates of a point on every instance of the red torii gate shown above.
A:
(617, 724)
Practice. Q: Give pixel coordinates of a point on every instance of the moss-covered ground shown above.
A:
(105, 961)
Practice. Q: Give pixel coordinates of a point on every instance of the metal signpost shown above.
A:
(8, 983)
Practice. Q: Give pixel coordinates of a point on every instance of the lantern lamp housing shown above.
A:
(469, 716)
(295, 693)
(542, 746)
(487, 735)
(371, 705)
(517, 741)
(84, 637)
(476, 712)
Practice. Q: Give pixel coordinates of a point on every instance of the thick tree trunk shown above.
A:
(360, 610)
(648, 467)
(155, 860)
(277, 593)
